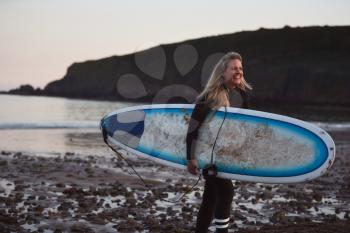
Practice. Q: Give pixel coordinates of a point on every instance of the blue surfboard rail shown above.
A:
(322, 142)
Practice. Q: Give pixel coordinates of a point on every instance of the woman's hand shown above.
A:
(192, 166)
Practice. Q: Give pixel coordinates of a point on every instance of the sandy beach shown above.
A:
(67, 191)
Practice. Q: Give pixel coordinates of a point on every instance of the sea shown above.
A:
(39, 125)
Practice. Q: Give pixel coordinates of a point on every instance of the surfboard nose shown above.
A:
(103, 127)
(125, 127)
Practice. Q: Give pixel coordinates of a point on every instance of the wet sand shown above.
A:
(71, 192)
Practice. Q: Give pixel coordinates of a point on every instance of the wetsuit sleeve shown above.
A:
(198, 116)
(246, 99)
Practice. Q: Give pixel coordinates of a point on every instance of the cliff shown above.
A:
(290, 65)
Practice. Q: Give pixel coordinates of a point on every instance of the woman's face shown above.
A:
(233, 74)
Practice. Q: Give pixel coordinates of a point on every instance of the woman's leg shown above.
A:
(225, 192)
(206, 210)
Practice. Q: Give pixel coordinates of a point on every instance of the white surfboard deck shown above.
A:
(251, 146)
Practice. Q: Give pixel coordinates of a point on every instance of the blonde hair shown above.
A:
(214, 93)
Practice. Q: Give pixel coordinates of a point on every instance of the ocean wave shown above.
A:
(333, 126)
(51, 125)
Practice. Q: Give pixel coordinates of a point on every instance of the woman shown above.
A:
(226, 87)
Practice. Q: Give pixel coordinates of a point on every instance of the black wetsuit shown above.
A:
(218, 192)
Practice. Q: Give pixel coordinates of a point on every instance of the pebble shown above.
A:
(278, 217)
(3, 162)
(81, 228)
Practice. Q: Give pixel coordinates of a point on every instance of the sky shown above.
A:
(40, 39)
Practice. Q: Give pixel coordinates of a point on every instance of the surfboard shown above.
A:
(251, 146)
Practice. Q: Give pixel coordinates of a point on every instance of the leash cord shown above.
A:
(140, 177)
(217, 135)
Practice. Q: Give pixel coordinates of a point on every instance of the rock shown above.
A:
(39, 209)
(243, 207)
(96, 219)
(42, 197)
(5, 153)
(3, 162)
(60, 185)
(129, 225)
(317, 197)
(301, 208)
(239, 216)
(26, 90)
(17, 155)
(170, 211)
(152, 211)
(279, 217)
(6, 219)
(88, 203)
(186, 209)
(254, 201)
(152, 223)
(20, 187)
(18, 197)
(131, 201)
(73, 191)
(80, 228)
(65, 206)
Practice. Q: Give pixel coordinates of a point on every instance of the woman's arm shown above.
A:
(198, 116)
(246, 99)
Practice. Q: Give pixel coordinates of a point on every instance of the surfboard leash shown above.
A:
(142, 180)
(217, 135)
(210, 170)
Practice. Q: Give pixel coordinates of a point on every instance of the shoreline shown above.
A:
(305, 111)
(79, 185)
